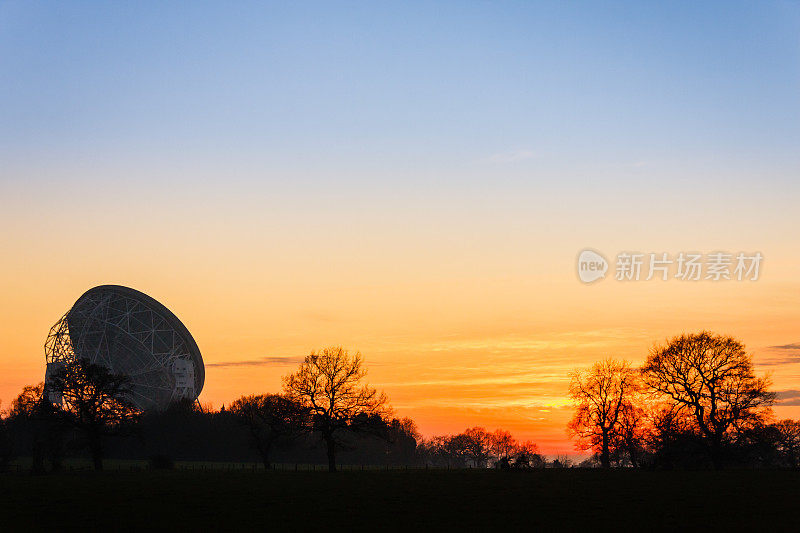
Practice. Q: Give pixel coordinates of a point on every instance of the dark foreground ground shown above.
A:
(742, 500)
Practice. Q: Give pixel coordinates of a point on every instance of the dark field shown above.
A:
(399, 500)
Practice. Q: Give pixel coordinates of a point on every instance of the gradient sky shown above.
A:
(412, 181)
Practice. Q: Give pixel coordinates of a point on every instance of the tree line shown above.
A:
(696, 402)
(325, 413)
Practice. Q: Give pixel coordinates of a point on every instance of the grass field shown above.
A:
(743, 500)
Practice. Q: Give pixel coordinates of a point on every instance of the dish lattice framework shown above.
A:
(129, 337)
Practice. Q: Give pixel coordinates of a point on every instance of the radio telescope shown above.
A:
(131, 334)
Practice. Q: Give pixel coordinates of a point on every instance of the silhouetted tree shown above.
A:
(711, 378)
(502, 443)
(526, 455)
(401, 440)
(436, 451)
(408, 427)
(185, 431)
(788, 442)
(601, 395)
(478, 444)
(590, 462)
(634, 424)
(456, 450)
(93, 400)
(24, 405)
(673, 440)
(6, 441)
(269, 417)
(33, 416)
(769, 445)
(328, 383)
(475, 446)
(562, 461)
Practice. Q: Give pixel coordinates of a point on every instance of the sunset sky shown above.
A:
(410, 181)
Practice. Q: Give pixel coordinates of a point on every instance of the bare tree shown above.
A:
(526, 455)
(601, 395)
(456, 449)
(631, 437)
(269, 417)
(6, 441)
(93, 400)
(562, 461)
(468, 448)
(328, 383)
(788, 442)
(478, 444)
(33, 414)
(711, 378)
(474, 446)
(24, 405)
(502, 443)
(409, 427)
(401, 438)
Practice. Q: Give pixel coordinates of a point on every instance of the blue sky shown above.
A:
(482, 120)
(324, 91)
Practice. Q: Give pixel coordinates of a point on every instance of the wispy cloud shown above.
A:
(788, 397)
(511, 157)
(269, 360)
(783, 354)
(273, 360)
(792, 346)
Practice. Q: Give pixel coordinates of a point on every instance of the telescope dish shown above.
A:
(134, 335)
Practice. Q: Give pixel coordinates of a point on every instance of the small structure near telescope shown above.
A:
(131, 334)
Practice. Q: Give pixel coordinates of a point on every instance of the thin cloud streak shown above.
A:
(792, 346)
(787, 354)
(270, 360)
(788, 397)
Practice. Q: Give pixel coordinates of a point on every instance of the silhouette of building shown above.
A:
(131, 334)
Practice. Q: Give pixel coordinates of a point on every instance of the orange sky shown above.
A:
(473, 344)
